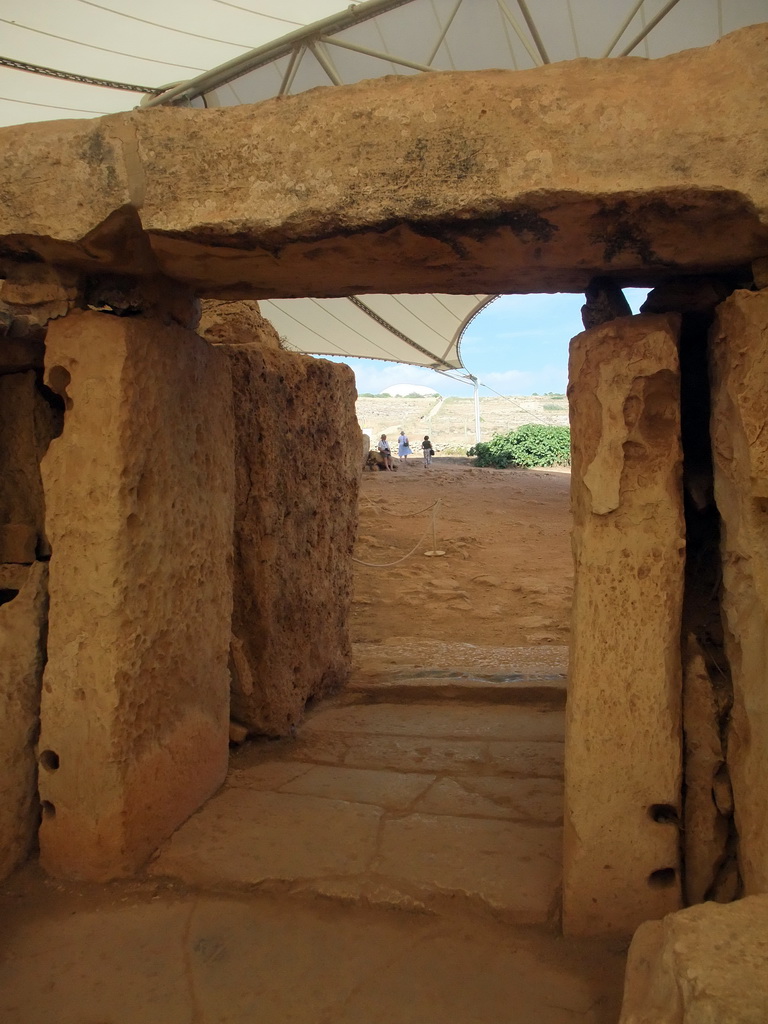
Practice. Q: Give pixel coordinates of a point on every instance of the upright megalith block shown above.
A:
(739, 354)
(139, 494)
(22, 654)
(27, 424)
(297, 464)
(623, 742)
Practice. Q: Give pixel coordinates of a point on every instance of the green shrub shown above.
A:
(528, 446)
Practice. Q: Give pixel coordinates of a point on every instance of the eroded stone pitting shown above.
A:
(709, 840)
(414, 806)
(495, 193)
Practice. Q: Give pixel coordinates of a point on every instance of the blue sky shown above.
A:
(518, 345)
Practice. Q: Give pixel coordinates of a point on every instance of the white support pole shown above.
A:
(476, 385)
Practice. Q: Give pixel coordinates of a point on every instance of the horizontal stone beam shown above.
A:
(462, 182)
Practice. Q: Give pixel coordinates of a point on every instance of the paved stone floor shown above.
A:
(396, 861)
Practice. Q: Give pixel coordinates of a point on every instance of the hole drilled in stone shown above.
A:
(662, 879)
(48, 809)
(49, 759)
(665, 814)
(7, 594)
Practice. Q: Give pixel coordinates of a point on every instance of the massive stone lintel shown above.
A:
(739, 348)
(489, 181)
(22, 653)
(139, 492)
(623, 742)
(297, 467)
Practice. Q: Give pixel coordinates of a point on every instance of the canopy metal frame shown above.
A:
(323, 37)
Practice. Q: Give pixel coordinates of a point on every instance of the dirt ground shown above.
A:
(505, 577)
(398, 859)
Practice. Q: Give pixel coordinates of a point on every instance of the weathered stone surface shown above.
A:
(139, 490)
(623, 743)
(236, 323)
(457, 182)
(740, 445)
(297, 472)
(246, 959)
(387, 833)
(760, 272)
(36, 292)
(705, 828)
(687, 295)
(155, 296)
(19, 354)
(704, 965)
(18, 543)
(22, 652)
(27, 425)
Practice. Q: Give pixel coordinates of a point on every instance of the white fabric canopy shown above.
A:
(421, 329)
(225, 52)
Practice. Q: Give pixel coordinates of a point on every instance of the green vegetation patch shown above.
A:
(528, 446)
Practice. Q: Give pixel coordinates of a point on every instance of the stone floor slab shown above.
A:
(244, 837)
(543, 691)
(511, 868)
(270, 775)
(530, 800)
(257, 959)
(435, 720)
(391, 790)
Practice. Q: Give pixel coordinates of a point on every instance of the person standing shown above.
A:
(386, 454)
(427, 450)
(403, 447)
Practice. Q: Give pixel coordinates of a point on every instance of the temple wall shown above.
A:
(297, 470)
(28, 422)
(623, 731)
(139, 492)
(739, 355)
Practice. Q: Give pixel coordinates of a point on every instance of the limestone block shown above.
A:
(155, 296)
(236, 323)
(38, 292)
(694, 294)
(760, 272)
(705, 828)
(739, 352)
(22, 653)
(297, 473)
(703, 965)
(18, 543)
(139, 491)
(623, 742)
(459, 182)
(19, 354)
(27, 424)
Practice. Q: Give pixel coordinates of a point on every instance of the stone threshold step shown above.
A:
(545, 691)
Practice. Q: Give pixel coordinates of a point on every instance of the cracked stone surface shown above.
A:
(395, 805)
(154, 958)
(431, 183)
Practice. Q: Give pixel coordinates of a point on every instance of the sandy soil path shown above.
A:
(506, 577)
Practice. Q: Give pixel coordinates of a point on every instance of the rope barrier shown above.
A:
(430, 526)
(399, 515)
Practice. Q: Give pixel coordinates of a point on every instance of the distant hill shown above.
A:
(450, 422)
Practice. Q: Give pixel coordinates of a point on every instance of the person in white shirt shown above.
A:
(386, 454)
